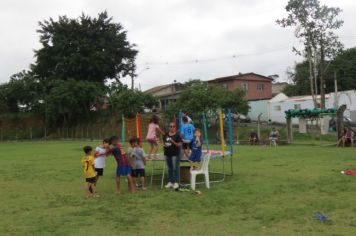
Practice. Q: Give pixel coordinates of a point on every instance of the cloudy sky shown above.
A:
(177, 39)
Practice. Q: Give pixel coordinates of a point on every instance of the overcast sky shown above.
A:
(177, 39)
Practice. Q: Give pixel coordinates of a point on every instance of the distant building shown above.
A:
(278, 87)
(257, 87)
(274, 109)
(166, 94)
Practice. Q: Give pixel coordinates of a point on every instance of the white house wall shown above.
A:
(277, 109)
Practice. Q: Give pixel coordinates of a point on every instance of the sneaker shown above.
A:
(169, 185)
(175, 185)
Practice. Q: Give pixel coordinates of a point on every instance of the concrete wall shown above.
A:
(257, 107)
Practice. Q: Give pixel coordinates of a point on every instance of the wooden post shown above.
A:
(289, 130)
(340, 120)
(31, 133)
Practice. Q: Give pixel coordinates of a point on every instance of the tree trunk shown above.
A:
(311, 76)
(322, 73)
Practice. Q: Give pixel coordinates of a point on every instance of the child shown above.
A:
(196, 153)
(187, 132)
(89, 171)
(151, 137)
(100, 158)
(137, 157)
(123, 165)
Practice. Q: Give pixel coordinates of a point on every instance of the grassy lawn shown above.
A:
(273, 192)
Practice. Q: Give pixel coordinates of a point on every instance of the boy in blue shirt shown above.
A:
(196, 144)
(187, 132)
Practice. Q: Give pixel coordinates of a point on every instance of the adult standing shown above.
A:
(172, 143)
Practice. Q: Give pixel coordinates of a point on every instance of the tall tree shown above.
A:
(198, 97)
(314, 26)
(86, 48)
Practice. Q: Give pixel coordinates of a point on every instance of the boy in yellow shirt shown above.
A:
(89, 171)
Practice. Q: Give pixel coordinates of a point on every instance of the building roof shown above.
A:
(238, 77)
(157, 88)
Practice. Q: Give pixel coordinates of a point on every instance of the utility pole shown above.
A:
(336, 99)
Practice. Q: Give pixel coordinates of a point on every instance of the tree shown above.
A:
(314, 26)
(21, 93)
(90, 49)
(70, 102)
(199, 98)
(343, 66)
(127, 101)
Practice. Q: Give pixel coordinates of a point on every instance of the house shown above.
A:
(166, 94)
(257, 87)
(274, 109)
(278, 87)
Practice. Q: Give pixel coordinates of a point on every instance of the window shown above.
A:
(277, 108)
(260, 87)
(297, 106)
(244, 86)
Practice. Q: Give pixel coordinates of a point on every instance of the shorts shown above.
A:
(123, 171)
(138, 173)
(99, 171)
(195, 157)
(187, 145)
(91, 180)
(152, 142)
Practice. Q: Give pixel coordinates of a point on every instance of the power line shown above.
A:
(231, 57)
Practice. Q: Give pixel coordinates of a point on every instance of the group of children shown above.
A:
(191, 139)
(132, 163)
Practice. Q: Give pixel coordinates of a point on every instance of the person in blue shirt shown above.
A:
(196, 145)
(187, 132)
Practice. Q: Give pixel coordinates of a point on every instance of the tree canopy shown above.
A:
(199, 98)
(344, 65)
(86, 48)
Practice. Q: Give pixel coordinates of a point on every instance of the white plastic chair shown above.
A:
(204, 170)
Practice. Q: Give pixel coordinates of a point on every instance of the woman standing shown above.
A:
(172, 143)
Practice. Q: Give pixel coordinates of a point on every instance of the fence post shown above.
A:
(31, 133)
(289, 130)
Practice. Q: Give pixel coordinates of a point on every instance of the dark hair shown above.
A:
(87, 149)
(134, 140)
(197, 130)
(106, 140)
(154, 119)
(113, 138)
(185, 119)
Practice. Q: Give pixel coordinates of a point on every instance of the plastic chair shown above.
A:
(204, 170)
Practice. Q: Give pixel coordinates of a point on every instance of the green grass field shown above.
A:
(273, 192)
